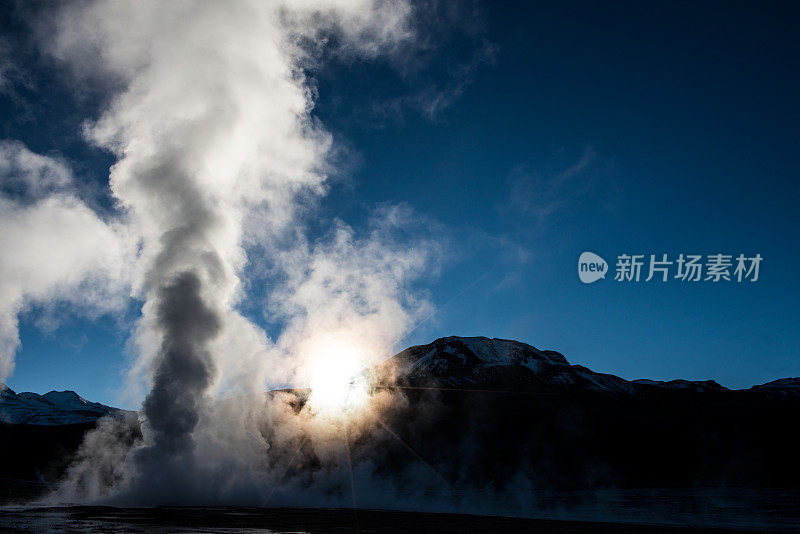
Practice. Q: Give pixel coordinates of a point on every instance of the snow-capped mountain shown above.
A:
(53, 408)
(482, 362)
(459, 361)
(471, 362)
(450, 362)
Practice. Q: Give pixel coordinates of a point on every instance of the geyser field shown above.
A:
(462, 425)
(250, 224)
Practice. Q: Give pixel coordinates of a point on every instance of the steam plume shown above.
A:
(53, 246)
(213, 134)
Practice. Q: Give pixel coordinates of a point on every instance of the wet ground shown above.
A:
(266, 520)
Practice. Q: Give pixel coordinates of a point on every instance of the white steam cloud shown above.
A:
(218, 156)
(351, 290)
(53, 247)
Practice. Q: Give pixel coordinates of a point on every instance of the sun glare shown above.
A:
(336, 384)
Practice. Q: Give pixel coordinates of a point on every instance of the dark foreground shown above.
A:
(107, 519)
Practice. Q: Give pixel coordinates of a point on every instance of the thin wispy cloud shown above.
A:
(432, 100)
(542, 193)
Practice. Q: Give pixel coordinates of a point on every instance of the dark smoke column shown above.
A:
(183, 374)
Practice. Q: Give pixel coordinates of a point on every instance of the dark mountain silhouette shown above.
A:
(500, 414)
(488, 411)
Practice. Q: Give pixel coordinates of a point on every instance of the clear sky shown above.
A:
(522, 136)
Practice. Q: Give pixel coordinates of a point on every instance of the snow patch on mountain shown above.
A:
(53, 408)
(483, 362)
(605, 382)
(459, 361)
(471, 361)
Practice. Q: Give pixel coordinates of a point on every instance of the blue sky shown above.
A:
(523, 136)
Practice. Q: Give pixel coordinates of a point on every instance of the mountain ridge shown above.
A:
(457, 361)
(452, 361)
(53, 408)
(457, 405)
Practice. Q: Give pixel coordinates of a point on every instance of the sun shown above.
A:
(337, 385)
